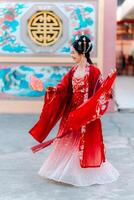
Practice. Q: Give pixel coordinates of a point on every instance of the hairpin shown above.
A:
(82, 33)
(79, 45)
(84, 39)
(90, 44)
(76, 37)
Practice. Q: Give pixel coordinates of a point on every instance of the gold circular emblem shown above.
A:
(45, 28)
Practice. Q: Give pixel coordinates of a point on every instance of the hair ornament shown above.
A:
(90, 44)
(79, 45)
(77, 37)
(84, 40)
(82, 33)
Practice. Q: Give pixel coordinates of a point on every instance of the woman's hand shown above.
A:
(51, 89)
(36, 84)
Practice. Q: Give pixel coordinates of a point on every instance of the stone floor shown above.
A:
(19, 166)
(124, 92)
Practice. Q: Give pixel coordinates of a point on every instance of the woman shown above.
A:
(78, 156)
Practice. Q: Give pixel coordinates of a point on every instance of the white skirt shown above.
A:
(62, 165)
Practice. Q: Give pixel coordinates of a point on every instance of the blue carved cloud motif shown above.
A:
(65, 49)
(85, 16)
(83, 22)
(15, 80)
(8, 40)
(26, 69)
(4, 80)
(16, 49)
(12, 25)
(19, 8)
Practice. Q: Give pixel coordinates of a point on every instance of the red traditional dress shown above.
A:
(78, 156)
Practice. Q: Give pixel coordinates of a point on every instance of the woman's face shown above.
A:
(75, 55)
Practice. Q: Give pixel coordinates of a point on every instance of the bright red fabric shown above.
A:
(95, 107)
(58, 104)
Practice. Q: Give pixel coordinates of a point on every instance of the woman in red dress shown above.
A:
(78, 156)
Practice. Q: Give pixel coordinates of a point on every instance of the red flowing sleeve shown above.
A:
(96, 106)
(54, 104)
(98, 80)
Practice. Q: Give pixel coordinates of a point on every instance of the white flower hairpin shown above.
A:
(85, 49)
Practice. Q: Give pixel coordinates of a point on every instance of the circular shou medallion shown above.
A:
(45, 28)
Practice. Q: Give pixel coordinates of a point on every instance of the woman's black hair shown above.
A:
(83, 45)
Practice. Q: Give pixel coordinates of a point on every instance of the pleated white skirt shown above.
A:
(62, 165)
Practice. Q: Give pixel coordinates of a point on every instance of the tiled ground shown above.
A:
(19, 166)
